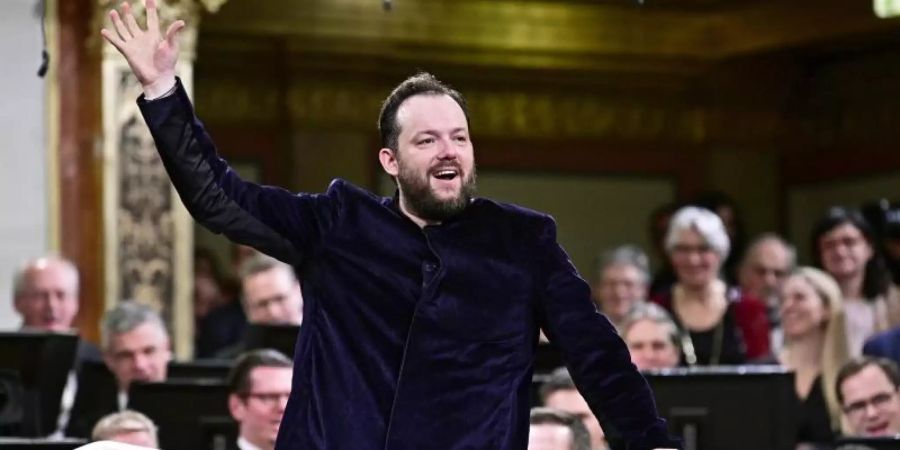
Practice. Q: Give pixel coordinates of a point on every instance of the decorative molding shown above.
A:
(149, 234)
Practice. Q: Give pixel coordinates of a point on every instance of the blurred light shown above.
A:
(886, 8)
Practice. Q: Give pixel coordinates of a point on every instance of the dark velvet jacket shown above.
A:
(412, 338)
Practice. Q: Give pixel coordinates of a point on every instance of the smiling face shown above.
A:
(619, 288)
(844, 251)
(694, 260)
(803, 310)
(434, 163)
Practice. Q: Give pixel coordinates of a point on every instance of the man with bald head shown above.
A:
(45, 294)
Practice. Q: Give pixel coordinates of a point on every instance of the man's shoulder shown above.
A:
(510, 211)
(342, 189)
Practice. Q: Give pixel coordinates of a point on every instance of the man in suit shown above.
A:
(258, 388)
(45, 294)
(136, 347)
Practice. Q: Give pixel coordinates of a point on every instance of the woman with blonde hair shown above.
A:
(815, 347)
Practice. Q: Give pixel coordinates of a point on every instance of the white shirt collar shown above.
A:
(244, 444)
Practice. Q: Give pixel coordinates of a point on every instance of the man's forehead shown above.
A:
(870, 378)
(430, 110)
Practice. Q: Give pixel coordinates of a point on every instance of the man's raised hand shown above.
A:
(151, 56)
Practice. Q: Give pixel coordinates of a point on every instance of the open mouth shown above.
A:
(447, 174)
(877, 430)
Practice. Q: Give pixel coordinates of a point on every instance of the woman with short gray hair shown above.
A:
(718, 325)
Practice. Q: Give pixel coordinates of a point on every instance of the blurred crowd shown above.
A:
(717, 298)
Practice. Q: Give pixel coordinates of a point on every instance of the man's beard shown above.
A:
(420, 200)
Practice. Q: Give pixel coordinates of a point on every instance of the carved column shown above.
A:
(148, 233)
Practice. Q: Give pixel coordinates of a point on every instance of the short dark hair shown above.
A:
(239, 375)
(418, 84)
(581, 440)
(559, 380)
(875, 276)
(856, 365)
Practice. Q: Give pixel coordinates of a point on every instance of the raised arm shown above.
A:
(595, 355)
(271, 219)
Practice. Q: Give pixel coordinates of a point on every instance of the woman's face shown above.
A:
(696, 263)
(844, 251)
(803, 310)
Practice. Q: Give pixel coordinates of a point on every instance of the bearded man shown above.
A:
(421, 311)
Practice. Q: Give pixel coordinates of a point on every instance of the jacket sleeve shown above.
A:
(273, 220)
(595, 355)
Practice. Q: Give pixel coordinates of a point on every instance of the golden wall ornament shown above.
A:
(149, 234)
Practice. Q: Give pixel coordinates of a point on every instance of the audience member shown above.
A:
(136, 347)
(45, 294)
(271, 296)
(867, 391)
(652, 337)
(130, 427)
(559, 392)
(259, 385)
(766, 263)
(622, 279)
(272, 293)
(844, 246)
(720, 325)
(556, 430)
(815, 346)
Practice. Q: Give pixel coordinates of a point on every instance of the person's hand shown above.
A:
(150, 55)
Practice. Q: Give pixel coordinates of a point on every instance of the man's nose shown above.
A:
(447, 149)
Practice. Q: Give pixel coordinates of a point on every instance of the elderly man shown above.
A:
(130, 427)
(766, 263)
(867, 389)
(422, 309)
(136, 347)
(259, 385)
(552, 429)
(652, 338)
(45, 294)
(623, 278)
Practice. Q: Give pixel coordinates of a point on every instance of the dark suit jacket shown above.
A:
(412, 338)
(97, 396)
(884, 345)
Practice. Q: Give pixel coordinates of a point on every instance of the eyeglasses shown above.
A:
(268, 398)
(877, 401)
(845, 241)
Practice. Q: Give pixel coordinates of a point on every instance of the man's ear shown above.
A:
(388, 160)
(236, 407)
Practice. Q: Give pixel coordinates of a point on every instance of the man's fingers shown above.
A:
(113, 38)
(152, 17)
(120, 27)
(172, 32)
(132, 24)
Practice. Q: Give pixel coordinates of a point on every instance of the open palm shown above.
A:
(150, 55)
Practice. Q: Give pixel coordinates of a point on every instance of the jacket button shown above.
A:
(429, 266)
